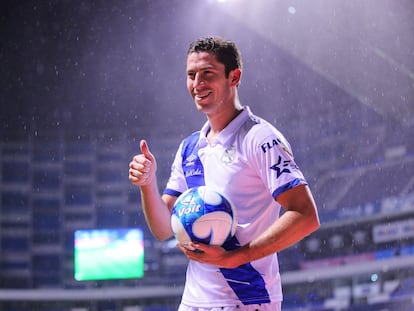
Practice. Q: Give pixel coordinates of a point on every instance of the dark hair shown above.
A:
(226, 52)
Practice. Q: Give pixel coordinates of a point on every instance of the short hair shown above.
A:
(225, 51)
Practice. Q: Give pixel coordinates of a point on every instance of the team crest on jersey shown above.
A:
(229, 155)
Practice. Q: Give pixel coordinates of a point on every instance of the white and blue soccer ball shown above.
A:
(204, 215)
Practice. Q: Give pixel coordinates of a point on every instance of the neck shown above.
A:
(219, 121)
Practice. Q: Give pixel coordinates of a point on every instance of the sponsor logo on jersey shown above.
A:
(270, 144)
(275, 142)
(189, 161)
(281, 167)
(193, 172)
(191, 164)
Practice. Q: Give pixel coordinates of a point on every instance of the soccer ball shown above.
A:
(201, 214)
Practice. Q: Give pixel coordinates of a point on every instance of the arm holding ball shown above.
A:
(299, 220)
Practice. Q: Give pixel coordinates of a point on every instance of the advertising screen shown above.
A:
(105, 254)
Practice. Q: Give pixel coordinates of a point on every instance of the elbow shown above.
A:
(312, 225)
(162, 236)
(310, 220)
(314, 222)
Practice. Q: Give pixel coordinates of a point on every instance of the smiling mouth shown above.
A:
(200, 96)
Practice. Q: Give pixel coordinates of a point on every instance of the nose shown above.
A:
(198, 80)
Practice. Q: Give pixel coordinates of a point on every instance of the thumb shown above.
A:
(145, 149)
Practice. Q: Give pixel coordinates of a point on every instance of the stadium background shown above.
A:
(83, 81)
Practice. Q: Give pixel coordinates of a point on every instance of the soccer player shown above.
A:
(249, 161)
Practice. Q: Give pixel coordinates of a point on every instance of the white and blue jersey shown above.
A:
(251, 163)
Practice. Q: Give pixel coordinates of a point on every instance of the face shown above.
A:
(207, 83)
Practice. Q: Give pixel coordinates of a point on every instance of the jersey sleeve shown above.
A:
(176, 183)
(273, 157)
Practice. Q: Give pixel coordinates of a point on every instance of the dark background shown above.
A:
(85, 65)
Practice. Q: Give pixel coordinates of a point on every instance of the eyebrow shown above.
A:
(204, 67)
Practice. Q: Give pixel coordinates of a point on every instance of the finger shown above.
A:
(138, 164)
(137, 170)
(145, 149)
(134, 172)
(196, 245)
(132, 178)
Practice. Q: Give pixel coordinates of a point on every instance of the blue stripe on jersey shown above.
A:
(172, 192)
(192, 167)
(246, 282)
(292, 184)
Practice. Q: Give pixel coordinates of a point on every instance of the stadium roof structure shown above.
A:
(365, 48)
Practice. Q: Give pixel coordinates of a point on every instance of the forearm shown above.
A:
(287, 231)
(299, 220)
(157, 214)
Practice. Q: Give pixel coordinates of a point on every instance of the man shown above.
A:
(249, 161)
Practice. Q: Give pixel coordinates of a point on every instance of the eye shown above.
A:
(191, 75)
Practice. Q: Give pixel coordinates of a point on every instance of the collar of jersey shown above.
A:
(227, 133)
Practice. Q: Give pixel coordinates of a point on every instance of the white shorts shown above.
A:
(274, 306)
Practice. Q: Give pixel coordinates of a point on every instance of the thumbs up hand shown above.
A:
(143, 166)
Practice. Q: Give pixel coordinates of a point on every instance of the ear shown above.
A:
(235, 77)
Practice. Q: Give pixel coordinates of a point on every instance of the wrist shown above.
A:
(236, 258)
